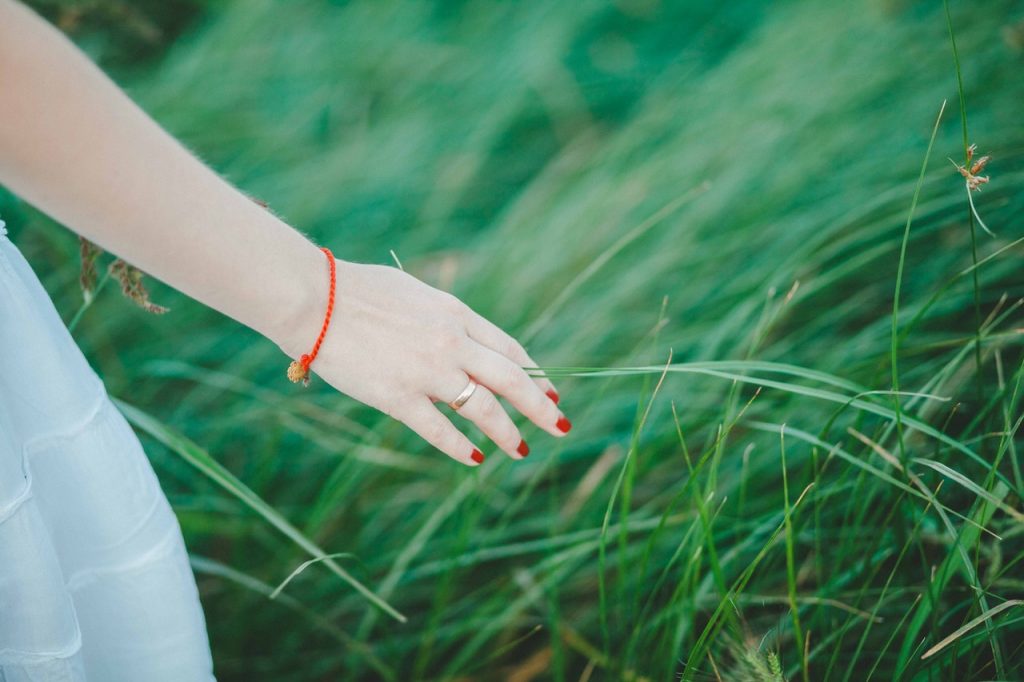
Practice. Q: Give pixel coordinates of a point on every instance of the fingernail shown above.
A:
(553, 394)
(563, 425)
(523, 448)
(477, 456)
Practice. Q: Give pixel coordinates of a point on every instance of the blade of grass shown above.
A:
(894, 343)
(970, 625)
(212, 567)
(970, 211)
(602, 540)
(794, 610)
(215, 471)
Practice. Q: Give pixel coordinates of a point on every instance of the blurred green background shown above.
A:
(609, 181)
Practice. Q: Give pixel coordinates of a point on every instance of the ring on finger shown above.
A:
(466, 394)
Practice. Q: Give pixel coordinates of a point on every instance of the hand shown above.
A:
(400, 346)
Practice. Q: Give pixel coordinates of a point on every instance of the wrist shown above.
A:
(301, 316)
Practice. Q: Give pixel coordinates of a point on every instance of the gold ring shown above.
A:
(467, 392)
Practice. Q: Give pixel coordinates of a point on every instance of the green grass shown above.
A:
(729, 232)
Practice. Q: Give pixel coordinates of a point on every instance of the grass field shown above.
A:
(791, 355)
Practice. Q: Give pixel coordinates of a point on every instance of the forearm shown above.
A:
(75, 146)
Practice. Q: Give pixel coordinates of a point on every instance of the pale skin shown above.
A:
(75, 146)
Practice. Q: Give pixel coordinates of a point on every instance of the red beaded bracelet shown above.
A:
(299, 369)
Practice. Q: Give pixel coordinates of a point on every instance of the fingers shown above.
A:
(484, 410)
(490, 335)
(498, 364)
(505, 377)
(435, 428)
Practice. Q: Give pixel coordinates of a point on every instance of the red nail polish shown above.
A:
(523, 448)
(477, 456)
(563, 425)
(553, 394)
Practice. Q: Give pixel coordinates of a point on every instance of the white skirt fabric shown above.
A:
(95, 583)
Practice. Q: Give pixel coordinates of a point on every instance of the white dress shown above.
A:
(95, 583)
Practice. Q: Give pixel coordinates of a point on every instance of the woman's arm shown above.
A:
(75, 146)
(78, 148)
